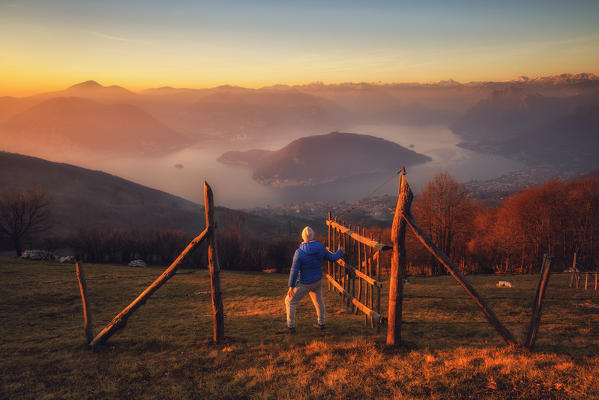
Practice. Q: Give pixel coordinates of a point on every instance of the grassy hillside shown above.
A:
(165, 352)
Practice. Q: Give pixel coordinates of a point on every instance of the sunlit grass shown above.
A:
(166, 350)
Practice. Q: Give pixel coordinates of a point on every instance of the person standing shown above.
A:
(307, 266)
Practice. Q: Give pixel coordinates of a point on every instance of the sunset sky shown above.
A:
(139, 44)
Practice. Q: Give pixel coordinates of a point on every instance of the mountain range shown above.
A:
(507, 118)
(78, 124)
(534, 128)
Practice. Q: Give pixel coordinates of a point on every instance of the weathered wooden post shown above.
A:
(359, 268)
(378, 289)
(336, 266)
(330, 246)
(214, 267)
(87, 319)
(538, 302)
(586, 280)
(398, 262)
(349, 245)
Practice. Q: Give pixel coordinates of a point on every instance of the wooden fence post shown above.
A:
(87, 319)
(359, 267)
(330, 246)
(217, 302)
(378, 289)
(398, 262)
(538, 302)
(586, 280)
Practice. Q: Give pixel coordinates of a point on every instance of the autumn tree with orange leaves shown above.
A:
(445, 210)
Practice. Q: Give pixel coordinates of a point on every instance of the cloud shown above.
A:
(118, 38)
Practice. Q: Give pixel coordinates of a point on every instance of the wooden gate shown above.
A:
(357, 276)
(362, 266)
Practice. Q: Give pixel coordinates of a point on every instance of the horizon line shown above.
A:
(519, 78)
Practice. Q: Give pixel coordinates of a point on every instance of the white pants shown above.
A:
(299, 292)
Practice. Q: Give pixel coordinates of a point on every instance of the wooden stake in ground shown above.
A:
(87, 319)
(329, 244)
(398, 262)
(120, 320)
(586, 280)
(538, 302)
(217, 302)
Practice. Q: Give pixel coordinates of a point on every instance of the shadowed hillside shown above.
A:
(571, 139)
(83, 198)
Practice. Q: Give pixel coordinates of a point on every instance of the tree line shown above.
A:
(161, 247)
(558, 217)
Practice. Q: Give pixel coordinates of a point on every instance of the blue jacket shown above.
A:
(307, 262)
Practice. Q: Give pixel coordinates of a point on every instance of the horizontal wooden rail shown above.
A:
(359, 273)
(120, 320)
(358, 237)
(371, 313)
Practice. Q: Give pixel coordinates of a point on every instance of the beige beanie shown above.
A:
(307, 234)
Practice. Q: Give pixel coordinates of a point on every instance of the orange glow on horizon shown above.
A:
(22, 86)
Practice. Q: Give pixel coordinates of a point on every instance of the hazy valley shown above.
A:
(171, 138)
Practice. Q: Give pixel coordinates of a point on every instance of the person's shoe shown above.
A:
(321, 327)
(286, 330)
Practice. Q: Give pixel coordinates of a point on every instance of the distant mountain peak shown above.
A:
(448, 83)
(91, 84)
(560, 79)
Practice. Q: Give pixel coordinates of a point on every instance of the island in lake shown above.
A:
(320, 159)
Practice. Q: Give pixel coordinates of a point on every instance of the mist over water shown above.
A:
(182, 173)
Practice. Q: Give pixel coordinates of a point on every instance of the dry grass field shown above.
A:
(165, 352)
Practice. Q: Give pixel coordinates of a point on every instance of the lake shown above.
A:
(183, 173)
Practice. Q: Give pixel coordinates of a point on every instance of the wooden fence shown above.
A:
(362, 264)
(120, 320)
(578, 277)
(357, 276)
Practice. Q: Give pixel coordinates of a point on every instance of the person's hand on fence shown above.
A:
(290, 293)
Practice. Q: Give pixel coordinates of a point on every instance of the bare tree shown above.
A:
(23, 213)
